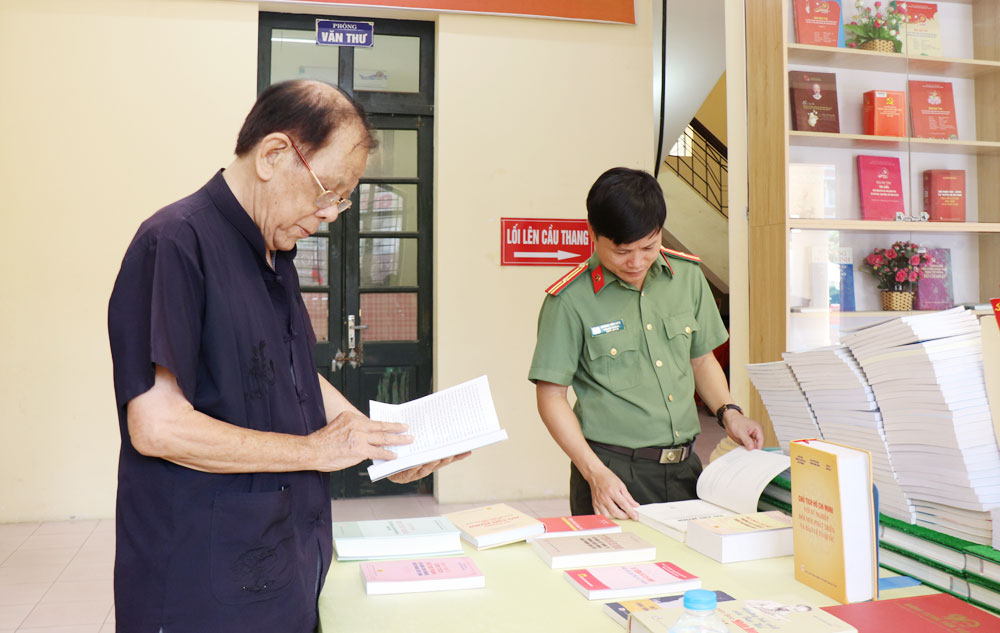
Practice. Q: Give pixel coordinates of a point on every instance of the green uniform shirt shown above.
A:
(627, 353)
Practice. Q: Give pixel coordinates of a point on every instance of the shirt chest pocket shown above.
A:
(680, 330)
(615, 360)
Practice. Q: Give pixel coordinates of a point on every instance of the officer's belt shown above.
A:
(661, 454)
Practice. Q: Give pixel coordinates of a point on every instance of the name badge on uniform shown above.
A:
(614, 326)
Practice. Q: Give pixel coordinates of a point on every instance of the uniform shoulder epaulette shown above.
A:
(565, 280)
(669, 252)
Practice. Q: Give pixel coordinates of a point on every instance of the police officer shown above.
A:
(632, 330)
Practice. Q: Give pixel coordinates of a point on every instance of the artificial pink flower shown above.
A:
(915, 260)
(900, 276)
(890, 254)
(914, 275)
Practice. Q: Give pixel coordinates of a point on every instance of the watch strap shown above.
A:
(722, 411)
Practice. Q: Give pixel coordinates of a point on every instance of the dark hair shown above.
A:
(626, 205)
(308, 111)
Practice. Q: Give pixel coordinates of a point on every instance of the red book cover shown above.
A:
(934, 290)
(817, 22)
(932, 109)
(814, 101)
(881, 184)
(944, 195)
(885, 113)
(578, 524)
(936, 613)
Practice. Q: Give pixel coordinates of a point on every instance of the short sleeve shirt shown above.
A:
(197, 551)
(627, 352)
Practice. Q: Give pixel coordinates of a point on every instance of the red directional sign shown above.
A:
(544, 242)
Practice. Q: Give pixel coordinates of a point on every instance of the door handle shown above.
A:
(352, 328)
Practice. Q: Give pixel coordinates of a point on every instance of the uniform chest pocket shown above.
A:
(680, 329)
(615, 360)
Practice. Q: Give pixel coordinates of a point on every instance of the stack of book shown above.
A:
(927, 374)
(844, 404)
(791, 415)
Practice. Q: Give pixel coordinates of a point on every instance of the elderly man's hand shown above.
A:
(419, 472)
(351, 438)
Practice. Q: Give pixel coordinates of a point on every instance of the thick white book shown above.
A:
(742, 537)
(498, 524)
(443, 424)
(729, 485)
(594, 549)
(396, 538)
(426, 574)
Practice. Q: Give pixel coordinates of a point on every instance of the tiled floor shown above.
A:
(56, 577)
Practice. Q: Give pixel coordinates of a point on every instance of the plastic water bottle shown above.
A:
(699, 614)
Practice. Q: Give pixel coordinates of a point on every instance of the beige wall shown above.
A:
(113, 108)
(713, 111)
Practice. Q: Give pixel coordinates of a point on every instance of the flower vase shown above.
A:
(897, 300)
(879, 46)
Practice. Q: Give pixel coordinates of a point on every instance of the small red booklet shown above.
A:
(577, 524)
(932, 109)
(881, 185)
(936, 613)
(814, 101)
(884, 113)
(944, 195)
(817, 22)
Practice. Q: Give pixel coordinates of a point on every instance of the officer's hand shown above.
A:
(610, 497)
(743, 430)
(419, 472)
(351, 438)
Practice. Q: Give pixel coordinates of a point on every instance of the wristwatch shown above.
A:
(722, 411)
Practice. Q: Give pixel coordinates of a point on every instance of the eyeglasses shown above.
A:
(326, 198)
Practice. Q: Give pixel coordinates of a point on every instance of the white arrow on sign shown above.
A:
(560, 255)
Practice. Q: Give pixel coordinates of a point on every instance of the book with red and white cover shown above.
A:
(944, 195)
(922, 29)
(932, 110)
(577, 524)
(934, 613)
(422, 574)
(624, 581)
(881, 184)
(818, 22)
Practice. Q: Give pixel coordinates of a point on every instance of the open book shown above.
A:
(729, 485)
(443, 424)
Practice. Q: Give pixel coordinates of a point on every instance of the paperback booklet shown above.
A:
(944, 195)
(934, 290)
(814, 101)
(833, 513)
(594, 549)
(556, 527)
(932, 109)
(754, 616)
(881, 184)
(494, 525)
(410, 576)
(619, 611)
(935, 613)
(627, 581)
(740, 537)
(731, 484)
(818, 22)
(922, 29)
(394, 538)
(443, 424)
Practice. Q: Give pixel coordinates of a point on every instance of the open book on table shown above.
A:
(729, 485)
(443, 424)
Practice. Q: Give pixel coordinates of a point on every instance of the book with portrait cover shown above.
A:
(922, 30)
(818, 22)
(934, 290)
(932, 110)
(884, 113)
(620, 611)
(881, 184)
(944, 195)
(934, 613)
(814, 101)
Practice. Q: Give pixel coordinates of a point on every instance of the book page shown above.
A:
(735, 480)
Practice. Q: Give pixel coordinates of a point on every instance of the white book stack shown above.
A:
(847, 413)
(786, 404)
(927, 374)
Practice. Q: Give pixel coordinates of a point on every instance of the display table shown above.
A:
(523, 594)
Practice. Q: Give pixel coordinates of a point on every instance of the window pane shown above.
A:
(396, 155)
(388, 261)
(311, 261)
(388, 207)
(392, 64)
(296, 55)
(389, 316)
(318, 307)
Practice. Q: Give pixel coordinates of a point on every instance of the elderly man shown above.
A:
(228, 432)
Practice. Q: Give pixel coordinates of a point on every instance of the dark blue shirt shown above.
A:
(200, 552)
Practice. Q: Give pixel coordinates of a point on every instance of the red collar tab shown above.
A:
(597, 276)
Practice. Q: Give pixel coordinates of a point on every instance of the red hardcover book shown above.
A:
(881, 184)
(944, 195)
(817, 22)
(814, 101)
(932, 109)
(934, 290)
(577, 524)
(936, 613)
(885, 113)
